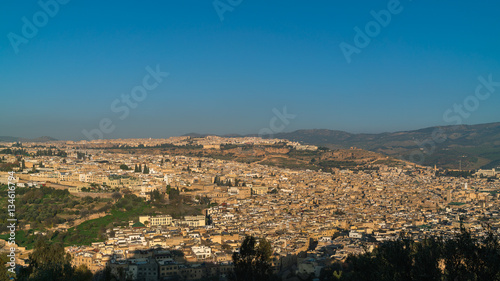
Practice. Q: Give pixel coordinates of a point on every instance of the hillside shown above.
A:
(475, 146)
(278, 155)
(14, 139)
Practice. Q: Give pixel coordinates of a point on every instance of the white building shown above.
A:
(202, 252)
(194, 221)
(355, 235)
(158, 220)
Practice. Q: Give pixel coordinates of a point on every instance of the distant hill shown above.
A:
(8, 139)
(196, 135)
(471, 146)
(14, 139)
(465, 146)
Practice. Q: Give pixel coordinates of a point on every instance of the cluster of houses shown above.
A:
(311, 218)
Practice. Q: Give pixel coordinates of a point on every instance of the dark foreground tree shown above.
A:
(5, 275)
(462, 257)
(49, 262)
(107, 275)
(253, 261)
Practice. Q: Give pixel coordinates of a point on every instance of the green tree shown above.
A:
(82, 273)
(156, 196)
(217, 180)
(462, 257)
(49, 262)
(263, 265)
(124, 167)
(116, 196)
(4, 273)
(253, 261)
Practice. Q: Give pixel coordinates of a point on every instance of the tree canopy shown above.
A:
(462, 257)
(49, 262)
(253, 261)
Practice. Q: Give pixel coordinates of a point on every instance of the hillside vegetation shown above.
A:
(475, 146)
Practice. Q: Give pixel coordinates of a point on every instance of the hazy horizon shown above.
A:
(236, 134)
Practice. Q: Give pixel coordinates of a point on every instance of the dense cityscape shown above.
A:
(231, 140)
(311, 218)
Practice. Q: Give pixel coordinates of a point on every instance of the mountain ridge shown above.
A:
(452, 146)
(19, 139)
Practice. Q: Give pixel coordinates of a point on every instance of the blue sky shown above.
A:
(226, 76)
